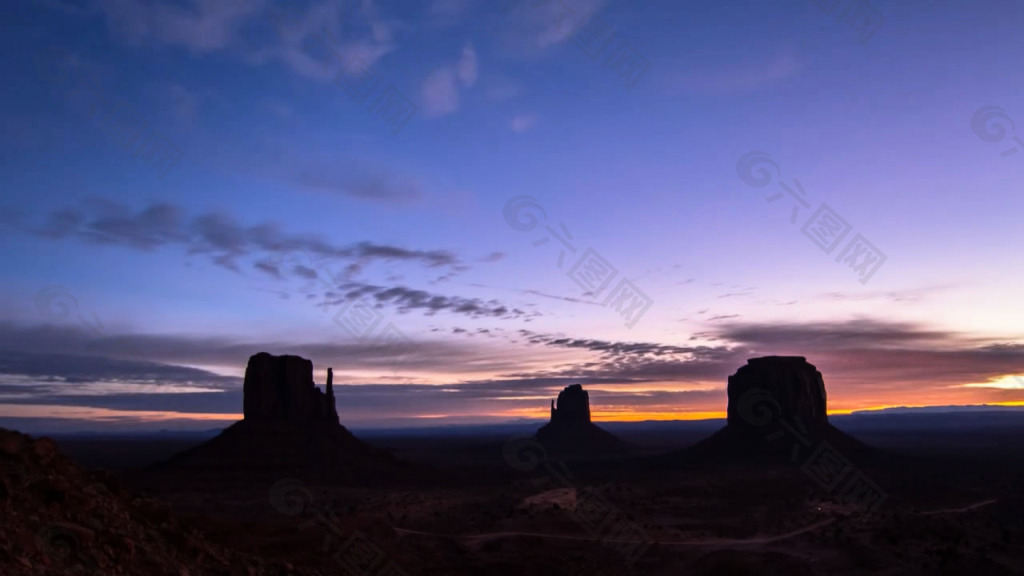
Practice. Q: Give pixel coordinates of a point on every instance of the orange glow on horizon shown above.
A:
(104, 414)
(623, 414)
(640, 416)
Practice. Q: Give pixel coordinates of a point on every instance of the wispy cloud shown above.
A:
(500, 89)
(440, 93)
(859, 359)
(204, 26)
(448, 13)
(369, 38)
(440, 90)
(553, 24)
(530, 29)
(744, 76)
(871, 355)
(218, 235)
(377, 185)
(406, 299)
(905, 295)
(467, 66)
(522, 122)
(63, 369)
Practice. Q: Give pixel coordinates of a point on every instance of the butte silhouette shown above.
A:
(776, 404)
(570, 429)
(288, 423)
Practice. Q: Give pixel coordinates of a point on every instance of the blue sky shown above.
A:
(291, 198)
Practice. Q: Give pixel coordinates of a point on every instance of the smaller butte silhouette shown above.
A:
(775, 404)
(570, 429)
(288, 423)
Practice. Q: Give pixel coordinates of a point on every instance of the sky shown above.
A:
(464, 206)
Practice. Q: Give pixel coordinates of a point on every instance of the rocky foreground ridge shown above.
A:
(58, 519)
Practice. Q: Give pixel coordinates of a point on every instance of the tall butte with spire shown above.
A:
(288, 422)
(280, 389)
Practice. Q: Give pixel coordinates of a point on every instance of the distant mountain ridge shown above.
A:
(940, 409)
(522, 425)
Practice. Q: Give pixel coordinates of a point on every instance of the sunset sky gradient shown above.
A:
(132, 297)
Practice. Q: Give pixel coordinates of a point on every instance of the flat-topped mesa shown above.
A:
(573, 406)
(280, 389)
(770, 396)
(785, 387)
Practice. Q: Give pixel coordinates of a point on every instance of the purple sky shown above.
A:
(409, 158)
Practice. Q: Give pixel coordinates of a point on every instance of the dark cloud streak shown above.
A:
(407, 299)
(865, 358)
(220, 236)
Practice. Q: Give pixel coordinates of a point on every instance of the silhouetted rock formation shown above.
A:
(777, 405)
(793, 386)
(570, 428)
(288, 424)
(281, 389)
(573, 406)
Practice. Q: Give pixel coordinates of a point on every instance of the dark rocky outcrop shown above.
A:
(573, 408)
(58, 518)
(570, 429)
(289, 424)
(793, 387)
(776, 407)
(281, 389)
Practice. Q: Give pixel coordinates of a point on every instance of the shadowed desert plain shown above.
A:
(778, 488)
